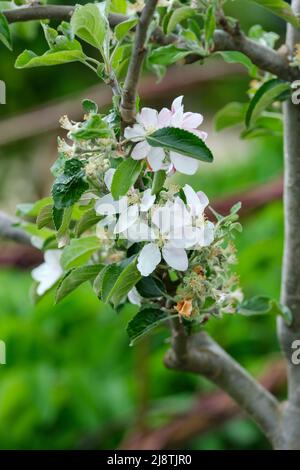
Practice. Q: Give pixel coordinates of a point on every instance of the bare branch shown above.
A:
(136, 62)
(50, 12)
(203, 356)
(8, 231)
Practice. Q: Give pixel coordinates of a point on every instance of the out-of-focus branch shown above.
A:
(201, 355)
(138, 53)
(8, 231)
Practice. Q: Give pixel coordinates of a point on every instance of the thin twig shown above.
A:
(136, 62)
(8, 231)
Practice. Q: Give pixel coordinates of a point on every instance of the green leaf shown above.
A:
(181, 141)
(90, 106)
(123, 28)
(167, 55)
(123, 283)
(264, 97)
(268, 124)
(33, 209)
(210, 25)
(50, 34)
(62, 225)
(45, 216)
(74, 278)
(145, 321)
(93, 128)
(29, 59)
(236, 57)
(159, 179)
(150, 287)
(107, 280)
(89, 24)
(231, 115)
(87, 221)
(179, 15)
(125, 176)
(281, 9)
(264, 305)
(257, 33)
(70, 185)
(79, 251)
(5, 35)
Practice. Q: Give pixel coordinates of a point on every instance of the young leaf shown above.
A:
(125, 281)
(209, 25)
(123, 28)
(33, 209)
(159, 179)
(5, 36)
(145, 321)
(89, 24)
(87, 221)
(264, 97)
(179, 15)
(264, 305)
(29, 59)
(74, 278)
(167, 55)
(45, 216)
(79, 251)
(90, 106)
(125, 176)
(93, 128)
(181, 141)
(109, 277)
(231, 115)
(70, 185)
(236, 57)
(281, 9)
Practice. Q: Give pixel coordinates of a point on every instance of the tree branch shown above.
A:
(12, 233)
(203, 356)
(136, 62)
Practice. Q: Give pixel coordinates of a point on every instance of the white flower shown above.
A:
(134, 297)
(148, 121)
(128, 207)
(48, 273)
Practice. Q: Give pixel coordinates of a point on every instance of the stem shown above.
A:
(136, 62)
(8, 231)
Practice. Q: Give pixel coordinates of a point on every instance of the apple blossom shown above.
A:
(48, 273)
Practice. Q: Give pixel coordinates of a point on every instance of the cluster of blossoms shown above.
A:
(166, 231)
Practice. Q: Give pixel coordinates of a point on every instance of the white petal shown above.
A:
(155, 158)
(184, 237)
(52, 257)
(148, 259)
(164, 118)
(141, 150)
(175, 257)
(108, 177)
(147, 201)
(135, 133)
(134, 297)
(148, 117)
(196, 201)
(106, 205)
(48, 273)
(185, 165)
(192, 120)
(127, 218)
(140, 232)
(181, 216)
(209, 233)
(163, 217)
(177, 103)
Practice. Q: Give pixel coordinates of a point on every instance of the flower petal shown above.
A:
(164, 117)
(108, 177)
(106, 205)
(148, 259)
(140, 232)
(141, 150)
(196, 201)
(185, 165)
(175, 257)
(155, 158)
(134, 297)
(147, 201)
(148, 118)
(127, 218)
(192, 120)
(135, 133)
(177, 103)
(209, 233)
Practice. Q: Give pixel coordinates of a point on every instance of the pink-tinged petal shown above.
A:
(141, 150)
(108, 177)
(201, 134)
(147, 201)
(135, 133)
(177, 103)
(177, 118)
(175, 257)
(148, 118)
(185, 165)
(192, 120)
(155, 158)
(148, 259)
(196, 201)
(164, 118)
(127, 219)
